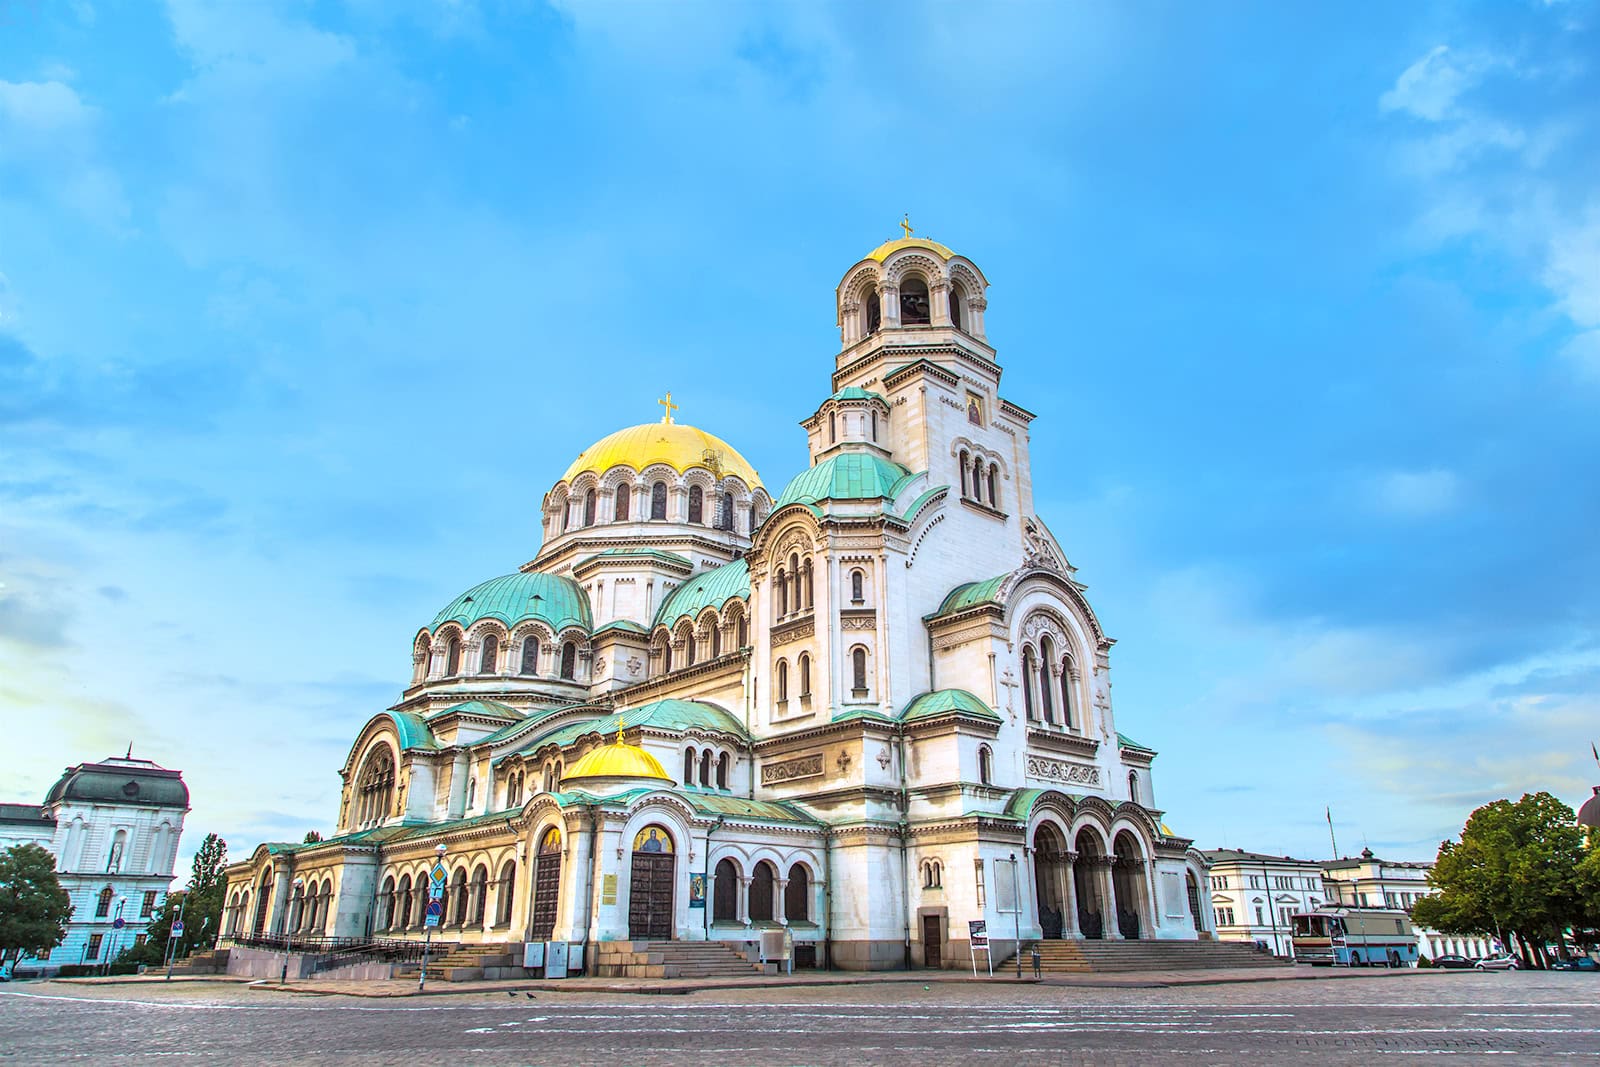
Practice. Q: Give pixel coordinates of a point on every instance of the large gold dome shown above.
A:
(616, 760)
(678, 446)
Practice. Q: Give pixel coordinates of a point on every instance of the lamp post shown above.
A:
(174, 932)
(111, 940)
(288, 907)
(430, 920)
(1016, 914)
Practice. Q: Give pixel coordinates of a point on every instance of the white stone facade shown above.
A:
(1253, 897)
(1366, 881)
(881, 701)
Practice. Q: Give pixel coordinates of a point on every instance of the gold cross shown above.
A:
(669, 405)
(905, 224)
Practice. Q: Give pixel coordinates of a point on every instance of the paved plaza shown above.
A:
(1468, 1017)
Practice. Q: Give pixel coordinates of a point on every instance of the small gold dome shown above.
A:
(678, 446)
(889, 248)
(616, 760)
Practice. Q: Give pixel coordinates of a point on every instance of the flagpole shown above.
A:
(1331, 839)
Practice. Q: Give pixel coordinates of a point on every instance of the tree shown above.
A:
(34, 909)
(1513, 874)
(201, 902)
(312, 837)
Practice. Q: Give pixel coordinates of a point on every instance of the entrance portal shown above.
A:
(1086, 875)
(1127, 876)
(1049, 877)
(931, 942)
(650, 890)
(546, 885)
(1194, 901)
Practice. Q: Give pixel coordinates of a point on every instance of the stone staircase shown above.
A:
(672, 959)
(471, 963)
(1101, 957)
(211, 961)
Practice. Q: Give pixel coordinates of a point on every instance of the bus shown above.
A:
(1354, 937)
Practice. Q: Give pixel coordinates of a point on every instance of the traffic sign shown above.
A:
(436, 891)
(118, 923)
(438, 873)
(433, 913)
(177, 929)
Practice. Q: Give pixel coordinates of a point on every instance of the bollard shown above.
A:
(1035, 955)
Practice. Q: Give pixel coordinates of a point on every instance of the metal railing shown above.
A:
(331, 952)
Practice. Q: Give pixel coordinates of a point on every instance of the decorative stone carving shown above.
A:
(1037, 550)
(1055, 770)
(794, 631)
(791, 769)
(867, 621)
(634, 664)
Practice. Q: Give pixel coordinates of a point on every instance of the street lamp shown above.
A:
(288, 906)
(1016, 914)
(111, 940)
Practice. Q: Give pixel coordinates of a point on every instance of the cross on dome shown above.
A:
(670, 406)
(905, 224)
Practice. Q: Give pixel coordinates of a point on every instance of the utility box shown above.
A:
(555, 959)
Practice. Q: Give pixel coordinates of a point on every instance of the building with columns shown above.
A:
(869, 710)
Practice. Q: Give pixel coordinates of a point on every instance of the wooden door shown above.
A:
(546, 895)
(650, 897)
(932, 942)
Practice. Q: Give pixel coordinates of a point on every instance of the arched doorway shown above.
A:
(650, 889)
(1127, 875)
(1193, 888)
(263, 903)
(546, 885)
(761, 883)
(1086, 883)
(725, 893)
(1049, 876)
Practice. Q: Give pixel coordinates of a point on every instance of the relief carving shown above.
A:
(1055, 770)
(791, 769)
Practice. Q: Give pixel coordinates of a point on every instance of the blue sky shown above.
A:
(304, 306)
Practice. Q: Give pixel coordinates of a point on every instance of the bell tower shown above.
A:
(912, 336)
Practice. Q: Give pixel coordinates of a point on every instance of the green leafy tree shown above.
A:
(34, 909)
(1513, 874)
(201, 903)
(312, 837)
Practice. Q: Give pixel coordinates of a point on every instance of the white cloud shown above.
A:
(1429, 87)
(1573, 269)
(48, 131)
(1583, 353)
(41, 107)
(1414, 494)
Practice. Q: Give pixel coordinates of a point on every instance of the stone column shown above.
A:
(1069, 927)
(1107, 865)
(780, 903)
(744, 900)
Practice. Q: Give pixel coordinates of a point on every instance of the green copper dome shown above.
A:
(514, 598)
(712, 588)
(847, 476)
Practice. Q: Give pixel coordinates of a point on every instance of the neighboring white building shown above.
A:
(1369, 882)
(113, 827)
(871, 708)
(1254, 896)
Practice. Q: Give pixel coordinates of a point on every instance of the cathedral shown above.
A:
(867, 711)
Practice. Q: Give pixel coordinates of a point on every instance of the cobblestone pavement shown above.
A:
(1469, 1017)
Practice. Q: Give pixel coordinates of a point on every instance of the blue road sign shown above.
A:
(434, 912)
(177, 929)
(118, 923)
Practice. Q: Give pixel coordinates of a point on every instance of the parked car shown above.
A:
(1450, 961)
(1498, 963)
(1577, 963)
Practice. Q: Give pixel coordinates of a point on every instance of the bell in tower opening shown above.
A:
(914, 307)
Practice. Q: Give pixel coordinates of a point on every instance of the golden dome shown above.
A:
(616, 760)
(889, 248)
(678, 446)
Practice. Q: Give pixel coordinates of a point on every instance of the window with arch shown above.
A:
(1027, 685)
(783, 681)
(915, 307)
(744, 631)
(489, 661)
(805, 583)
(504, 895)
(723, 764)
(994, 482)
(588, 507)
(1133, 786)
(705, 768)
(858, 671)
(724, 511)
(725, 892)
(658, 501)
(716, 640)
(858, 587)
(874, 425)
(804, 664)
(1046, 659)
(690, 761)
(619, 507)
(957, 297)
(1068, 705)
(423, 656)
(691, 646)
(457, 904)
(452, 656)
(530, 655)
(375, 786)
(761, 884)
(872, 311)
(797, 894)
(480, 894)
(569, 660)
(102, 905)
(472, 792)
(932, 874)
(965, 461)
(780, 586)
(402, 898)
(833, 428)
(697, 505)
(985, 765)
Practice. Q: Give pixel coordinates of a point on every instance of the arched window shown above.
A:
(658, 500)
(402, 895)
(874, 425)
(858, 671)
(994, 482)
(857, 587)
(783, 681)
(724, 511)
(780, 585)
(805, 582)
(1133, 786)
(833, 428)
(569, 660)
(588, 508)
(744, 631)
(915, 309)
(503, 897)
(619, 510)
(872, 308)
(705, 768)
(480, 894)
(805, 675)
(1027, 684)
(1067, 716)
(386, 908)
(725, 892)
(490, 660)
(716, 640)
(932, 874)
(985, 765)
(688, 766)
(956, 298)
(723, 762)
(375, 786)
(697, 499)
(472, 792)
(965, 460)
(530, 654)
(452, 656)
(102, 906)
(761, 893)
(666, 656)
(797, 895)
(1047, 698)
(457, 904)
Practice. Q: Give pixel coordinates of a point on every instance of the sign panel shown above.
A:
(697, 890)
(438, 873)
(118, 923)
(978, 933)
(177, 929)
(434, 913)
(608, 889)
(436, 891)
